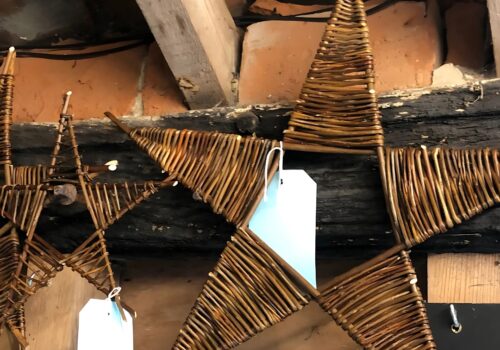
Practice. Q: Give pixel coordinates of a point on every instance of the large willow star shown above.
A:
(251, 288)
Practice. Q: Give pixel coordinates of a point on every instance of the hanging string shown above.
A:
(280, 149)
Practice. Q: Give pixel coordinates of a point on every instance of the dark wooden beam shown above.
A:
(351, 210)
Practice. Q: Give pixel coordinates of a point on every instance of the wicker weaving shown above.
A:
(225, 170)
(337, 111)
(379, 304)
(431, 190)
(6, 100)
(36, 263)
(29, 265)
(246, 293)
(29, 175)
(231, 307)
(251, 288)
(9, 259)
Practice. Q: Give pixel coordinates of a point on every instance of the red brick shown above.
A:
(107, 83)
(277, 55)
(160, 94)
(406, 45)
(276, 58)
(465, 28)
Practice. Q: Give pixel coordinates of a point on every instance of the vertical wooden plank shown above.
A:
(494, 13)
(52, 313)
(200, 42)
(162, 292)
(464, 278)
(7, 340)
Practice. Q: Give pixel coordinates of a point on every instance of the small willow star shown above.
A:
(28, 261)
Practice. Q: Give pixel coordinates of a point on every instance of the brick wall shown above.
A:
(409, 41)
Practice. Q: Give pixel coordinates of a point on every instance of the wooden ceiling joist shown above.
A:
(200, 43)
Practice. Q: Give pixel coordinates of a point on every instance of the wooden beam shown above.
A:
(351, 211)
(464, 278)
(52, 313)
(7, 340)
(494, 13)
(200, 42)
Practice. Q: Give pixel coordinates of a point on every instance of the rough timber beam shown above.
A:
(200, 43)
(351, 210)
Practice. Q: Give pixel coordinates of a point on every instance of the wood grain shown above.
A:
(200, 42)
(494, 13)
(7, 340)
(464, 278)
(52, 313)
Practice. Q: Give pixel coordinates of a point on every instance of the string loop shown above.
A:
(280, 167)
(114, 292)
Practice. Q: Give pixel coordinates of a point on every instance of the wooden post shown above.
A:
(52, 313)
(494, 13)
(200, 42)
(463, 278)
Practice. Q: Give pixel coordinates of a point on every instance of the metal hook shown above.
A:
(456, 327)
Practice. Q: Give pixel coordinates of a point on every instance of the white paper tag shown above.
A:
(101, 327)
(286, 220)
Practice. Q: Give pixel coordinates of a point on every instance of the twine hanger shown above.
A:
(280, 168)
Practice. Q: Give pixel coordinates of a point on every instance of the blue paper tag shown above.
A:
(286, 220)
(101, 327)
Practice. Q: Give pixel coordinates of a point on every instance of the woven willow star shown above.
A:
(29, 262)
(252, 288)
(427, 191)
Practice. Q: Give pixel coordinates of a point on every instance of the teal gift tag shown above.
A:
(286, 220)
